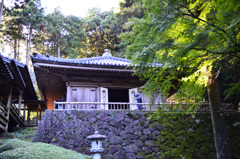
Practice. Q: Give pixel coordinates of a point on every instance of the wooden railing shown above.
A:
(16, 113)
(3, 116)
(203, 107)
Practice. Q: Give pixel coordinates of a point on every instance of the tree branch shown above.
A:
(191, 14)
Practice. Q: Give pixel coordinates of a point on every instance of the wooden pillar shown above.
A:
(24, 112)
(20, 101)
(9, 105)
(28, 117)
(98, 96)
(68, 95)
(37, 113)
(40, 114)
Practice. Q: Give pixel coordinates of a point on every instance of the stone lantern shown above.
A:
(96, 145)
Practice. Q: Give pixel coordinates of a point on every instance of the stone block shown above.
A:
(114, 148)
(131, 148)
(131, 156)
(114, 140)
(121, 154)
(146, 131)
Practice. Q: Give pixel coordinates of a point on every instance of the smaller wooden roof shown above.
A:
(16, 74)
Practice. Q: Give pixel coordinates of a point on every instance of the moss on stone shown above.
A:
(206, 144)
(187, 156)
(178, 125)
(177, 140)
(204, 150)
(140, 153)
(165, 131)
(186, 122)
(156, 143)
(199, 140)
(176, 152)
(212, 155)
(171, 143)
(165, 148)
(204, 123)
(13, 144)
(14, 149)
(161, 139)
(195, 126)
(188, 151)
(150, 157)
(141, 123)
(170, 137)
(199, 131)
(184, 137)
(169, 154)
(161, 155)
(166, 125)
(185, 144)
(194, 145)
(180, 132)
(198, 155)
(194, 136)
(180, 149)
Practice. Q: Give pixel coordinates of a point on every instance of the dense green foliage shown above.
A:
(63, 35)
(193, 38)
(15, 148)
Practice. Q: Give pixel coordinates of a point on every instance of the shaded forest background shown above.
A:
(25, 26)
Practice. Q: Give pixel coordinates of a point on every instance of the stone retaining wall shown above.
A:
(129, 134)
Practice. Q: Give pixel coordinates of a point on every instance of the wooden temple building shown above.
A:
(103, 82)
(18, 98)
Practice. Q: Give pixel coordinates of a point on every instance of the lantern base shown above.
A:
(96, 156)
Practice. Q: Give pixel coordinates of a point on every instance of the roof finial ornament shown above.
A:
(106, 53)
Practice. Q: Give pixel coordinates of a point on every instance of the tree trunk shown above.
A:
(86, 48)
(218, 120)
(58, 48)
(97, 48)
(59, 51)
(1, 10)
(18, 48)
(15, 49)
(29, 46)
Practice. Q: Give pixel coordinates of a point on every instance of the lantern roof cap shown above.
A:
(96, 136)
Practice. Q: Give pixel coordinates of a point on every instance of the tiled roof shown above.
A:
(101, 61)
(105, 60)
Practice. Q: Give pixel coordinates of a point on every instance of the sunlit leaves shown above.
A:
(189, 37)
